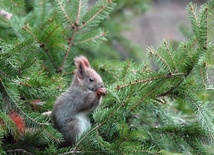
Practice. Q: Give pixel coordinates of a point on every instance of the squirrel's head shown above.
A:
(88, 78)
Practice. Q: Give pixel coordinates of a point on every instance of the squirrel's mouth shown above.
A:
(101, 91)
(96, 87)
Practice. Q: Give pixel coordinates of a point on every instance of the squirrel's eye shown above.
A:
(91, 79)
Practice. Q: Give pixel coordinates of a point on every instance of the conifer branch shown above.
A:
(187, 53)
(203, 29)
(204, 116)
(142, 99)
(65, 13)
(162, 59)
(121, 105)
(49, 56)
(50, 135)
(19, 151)
(83, 152)
(47, 51)
(11, 101)
(195, 19)
(90, 39)
(206, 43)
(26, 29)
(68, 50)
(202, 78)
(31, 119)
(76, 28)
(96, 14)
(170, 91)
(170, 54)
(49, 35)
(167, 76)
(16, 4)
(78, 13)
(42, 45)
(2, 73)
(126, 69)
(133, 151)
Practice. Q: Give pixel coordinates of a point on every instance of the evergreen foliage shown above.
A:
(166, 109)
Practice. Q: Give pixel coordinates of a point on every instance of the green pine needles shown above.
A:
(164, 108)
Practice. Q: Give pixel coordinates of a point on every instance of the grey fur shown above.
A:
(83, 96)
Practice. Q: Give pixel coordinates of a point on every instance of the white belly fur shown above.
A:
(84, 123)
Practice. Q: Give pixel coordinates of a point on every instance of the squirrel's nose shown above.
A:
(101, 92)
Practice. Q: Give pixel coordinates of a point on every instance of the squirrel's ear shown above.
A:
(82, 64)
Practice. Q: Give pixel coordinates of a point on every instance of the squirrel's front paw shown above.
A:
(101, 92)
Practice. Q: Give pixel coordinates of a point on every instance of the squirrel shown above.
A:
(82, 97)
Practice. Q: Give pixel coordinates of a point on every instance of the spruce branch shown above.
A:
(2, 73)
(102, 34)
(152, 52)
(82, 152)
(185, 49)
(193, 18)
(18, 151)
(12, 102)
(49, 56)
(78, 12)
(200, 25)
(26, 28)
(49, 35)
(65, 13)
(15, 4)
(203, 27)
(71, 39)
(202, 78)
(126, 69)
(132, 151)
(52, 136)
(144, 81)
(170, 54)
(143, 98)
(206, 42)
(170, 91)
(204, 115)
(97, 14)
(43, 44)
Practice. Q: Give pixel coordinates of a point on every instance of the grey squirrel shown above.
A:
(83, 96)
